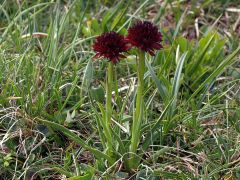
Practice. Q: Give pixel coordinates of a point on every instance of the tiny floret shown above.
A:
(145, 36)
(110, 45)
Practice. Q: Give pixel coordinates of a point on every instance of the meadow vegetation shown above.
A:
(67, 115)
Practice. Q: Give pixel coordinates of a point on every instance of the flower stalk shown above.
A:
(111, 46)
(146, 37)
(138, 114)
(109, 84)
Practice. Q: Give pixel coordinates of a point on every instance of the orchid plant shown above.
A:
(146, 38)
(110, 46)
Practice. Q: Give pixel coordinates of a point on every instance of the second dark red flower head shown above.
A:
(143, 35)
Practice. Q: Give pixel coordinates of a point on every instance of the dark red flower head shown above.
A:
(110, 45)
(145, 35)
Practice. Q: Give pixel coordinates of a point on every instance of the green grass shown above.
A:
(52, 92)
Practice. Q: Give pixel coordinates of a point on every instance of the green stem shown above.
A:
(109, 85)
(137, 117)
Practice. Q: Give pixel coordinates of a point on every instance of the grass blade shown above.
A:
(160, 85)
(219, 69)
(149, 137)
(76, 139)
(176, 81)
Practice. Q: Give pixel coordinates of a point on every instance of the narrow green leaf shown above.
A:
(161, 11)
(159, 153)
(133, 15)
(176, 81)
(150, 136)
(119, 16)
(76, 139)
(179, 24)
(122, 148)
(160, 85)
(200, 57)
(177, 76)
(42, 5)
(99, 120)
(218, 70)
(87, 76)
(110, 15)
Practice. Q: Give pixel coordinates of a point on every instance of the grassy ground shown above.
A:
(47, 75)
